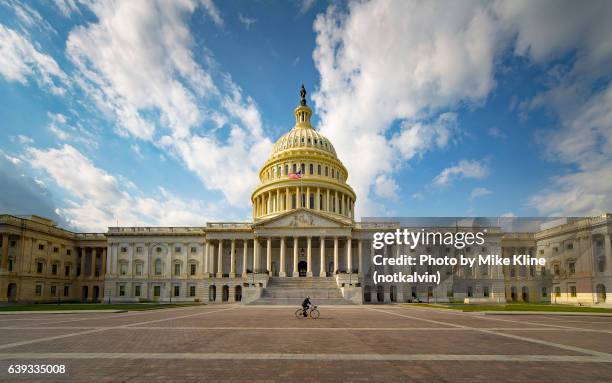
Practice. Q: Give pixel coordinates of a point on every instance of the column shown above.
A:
(297, 197)
(233, 259)
(5, 249)
(349, 256)
(335, 255)
(327, 201)
(295, 258)
(608, 250)
(322, 246)
(309, 258)
(205, 265)
(317, 199)
(245, 248)
(220, 260)
(278, 200)
(336, 207)
(308, 198)
(269, 205)
(103, 268)
(131, 251)
(255, 254)
(269, 255)
(287, 199)
(359, 255)
(108, 268)
(343, 207)
(282, 272)
(83, 253)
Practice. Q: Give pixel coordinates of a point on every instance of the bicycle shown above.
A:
(313, 312)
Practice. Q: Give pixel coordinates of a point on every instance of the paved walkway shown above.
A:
(267, 343)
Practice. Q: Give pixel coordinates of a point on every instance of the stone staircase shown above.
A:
(292, 291)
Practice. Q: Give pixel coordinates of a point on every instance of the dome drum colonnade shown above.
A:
(322, 177)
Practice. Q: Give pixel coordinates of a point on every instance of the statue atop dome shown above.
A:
(303, 96)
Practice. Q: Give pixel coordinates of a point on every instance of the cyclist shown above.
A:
(305, 305)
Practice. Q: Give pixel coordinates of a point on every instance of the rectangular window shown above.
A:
(156, 291)
(194, 249)
(13, 243)
(39, 289)
(39, 267)
(177, 249)
(139, 269)
(192, 269)
(66, 291)
(557, 291)
(470, 292)
(557, 269)
(67, 271)
(56, 249)
(569, 246)
(139, 249)
(572, 290)
(512, 272)
(192, 291)
(121, 290)
(542, 252)
(123, 269)
(68, 252)
(124, 249)
(54, 269)
(53, 291)
(572, 267)
(177, 290)
(41, 246)
(137, 290)
(544, 292)
(177, 269)
(485, 291)
(10, 264)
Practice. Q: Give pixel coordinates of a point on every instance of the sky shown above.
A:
(160, 113)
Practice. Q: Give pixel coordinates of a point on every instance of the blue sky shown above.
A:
(161, 113)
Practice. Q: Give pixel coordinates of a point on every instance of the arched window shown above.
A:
(278, 173)
(319, 169)
(158, 267)
(311, 169)
(286, 169)
(326, 171)
(303, 168)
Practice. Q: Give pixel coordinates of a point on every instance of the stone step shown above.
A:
(297, 302)
(302, 294)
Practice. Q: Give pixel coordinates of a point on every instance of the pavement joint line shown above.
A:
(517, 337)
(325, 357)
(482, 316)
(298, 328)
(46, 339)
(126, 315)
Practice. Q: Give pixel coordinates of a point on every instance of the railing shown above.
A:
(228, 225)
(156, 230)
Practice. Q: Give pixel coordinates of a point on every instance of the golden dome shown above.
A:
(303, 172)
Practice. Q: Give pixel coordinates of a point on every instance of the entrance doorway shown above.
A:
(11, 292)
(96, 293)
(302, 266)
(238, 293)
(601, 293)
(85, 293)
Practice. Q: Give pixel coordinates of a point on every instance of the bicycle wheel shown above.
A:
(299, 313)
(314, 313)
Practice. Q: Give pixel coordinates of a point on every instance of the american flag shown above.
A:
(295, 176)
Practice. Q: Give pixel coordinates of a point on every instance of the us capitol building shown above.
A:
(303, 239)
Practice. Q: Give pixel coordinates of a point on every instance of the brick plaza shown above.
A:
(349, 343)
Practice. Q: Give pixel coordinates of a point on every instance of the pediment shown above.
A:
(302, 218)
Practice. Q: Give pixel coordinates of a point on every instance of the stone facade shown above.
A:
(303, 227)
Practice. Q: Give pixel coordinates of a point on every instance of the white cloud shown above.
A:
(479, 192)
(508, 215)
(386, 187)
(161, 77)
(20, 60)
(97, 199)
(417, 138)
(246, 21)
(464, 169)
(60, 127)
(22, 139)
(306, 5)
(213, 12)
(67, 7)
(496, 132)
(136, 150)
(413, 61)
